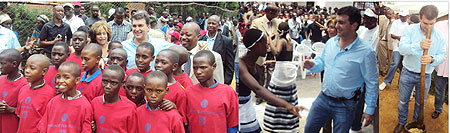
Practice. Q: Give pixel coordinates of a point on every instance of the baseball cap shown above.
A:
(180, 24)
(189, 18)
(403, 12)
(368, 12)
(68, 4)
(77, 4)
(176, 34)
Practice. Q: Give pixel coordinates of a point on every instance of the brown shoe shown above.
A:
(398, 128)
(435, 115)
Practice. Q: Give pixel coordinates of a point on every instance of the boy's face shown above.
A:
(111, 83)
(59, 55)
(117, 58)
(89, 60)
(78, 41)
(155, 91)
(163, 64)
(134, 88)
(65, 79)
(33, 71)
(6, 66)
(143, 58)
(202, 69)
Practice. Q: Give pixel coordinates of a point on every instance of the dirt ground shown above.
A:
(389, 115)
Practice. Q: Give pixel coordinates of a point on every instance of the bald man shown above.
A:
(222, 45)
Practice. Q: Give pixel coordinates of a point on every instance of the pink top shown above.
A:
(442, 69)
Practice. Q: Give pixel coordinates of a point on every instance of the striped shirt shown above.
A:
(119, 32)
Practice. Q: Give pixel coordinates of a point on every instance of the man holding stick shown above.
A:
(412, 45)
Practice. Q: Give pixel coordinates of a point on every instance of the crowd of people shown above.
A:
(359, 46)
(133, 71)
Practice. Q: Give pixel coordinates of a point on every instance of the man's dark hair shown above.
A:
(415, 18)
(430, 12)
(353, 13)
(139, 16)
(119, 10)
(206, 53)
(133, 11)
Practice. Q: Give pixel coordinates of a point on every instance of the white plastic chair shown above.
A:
(303, 51)
(318, 48)
(242, 50)
(306, 42)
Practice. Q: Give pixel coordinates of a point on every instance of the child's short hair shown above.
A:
(12, 55)
(183, 54)
(121, 50)
(147, 45)
(44, 62)
(172, 55)
(76, 69)
(156, 75)
(86, 29)
(95, 48)
(206, 53)
(117, 69)
(112, 42)
(136, 74)
(83, 32)
(64, 45)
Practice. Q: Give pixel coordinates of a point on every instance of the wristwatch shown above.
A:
(432, 59)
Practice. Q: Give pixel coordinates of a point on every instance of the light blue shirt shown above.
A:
(8, 39)
(211, 41)
(130, 48)
(412, 53)
(348, 69)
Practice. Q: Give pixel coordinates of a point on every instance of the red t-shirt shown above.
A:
(184, 80)
(212, 109)
(115, 117)
(32, 106)
(75, 59)
(50, 76)
(158, 121)
(67, 116)
(177, 95)
(91, 86)
(133, 70)
(10, 91)
(122, 92)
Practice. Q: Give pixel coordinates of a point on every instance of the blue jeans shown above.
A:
(392, 68)
(439, 91)
(323, 108)
(236, 71)
(407, 81)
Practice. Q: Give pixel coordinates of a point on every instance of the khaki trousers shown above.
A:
(385, 56)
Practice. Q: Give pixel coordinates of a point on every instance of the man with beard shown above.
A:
(54, 31)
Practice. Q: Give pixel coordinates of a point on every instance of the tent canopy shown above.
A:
(414, 7)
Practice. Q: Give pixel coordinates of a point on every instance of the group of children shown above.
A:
(76, 95)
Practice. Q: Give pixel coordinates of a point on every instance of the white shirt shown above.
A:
(370, 36)
(74, 22)
(397, 28)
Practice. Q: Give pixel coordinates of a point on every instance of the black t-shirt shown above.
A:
(50, 31)
(316, 33)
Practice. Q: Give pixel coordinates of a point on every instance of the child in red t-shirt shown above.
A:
(167, 61)
(10, 84)
(211, 106)
(150, 117)
(90, 85)
(33, 98)
(144, 55)
(134, 88)
(70, 111)
(79, 40)
(60, 52)
(112, 112)
(179, 74)
(118, 56)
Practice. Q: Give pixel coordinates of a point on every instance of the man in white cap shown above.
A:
(369, 33)
(69, 18)
(396, 33)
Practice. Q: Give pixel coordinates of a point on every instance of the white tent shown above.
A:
(414, 7)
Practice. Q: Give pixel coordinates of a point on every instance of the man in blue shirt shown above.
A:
(141, 26)
(412, 44)
(349, 62)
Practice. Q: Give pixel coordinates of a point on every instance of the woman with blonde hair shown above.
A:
(102, 36)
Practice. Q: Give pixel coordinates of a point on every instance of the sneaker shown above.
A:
(353, 131)
(382, 86)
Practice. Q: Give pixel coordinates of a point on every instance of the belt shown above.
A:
(413, 72)
(355, 97)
